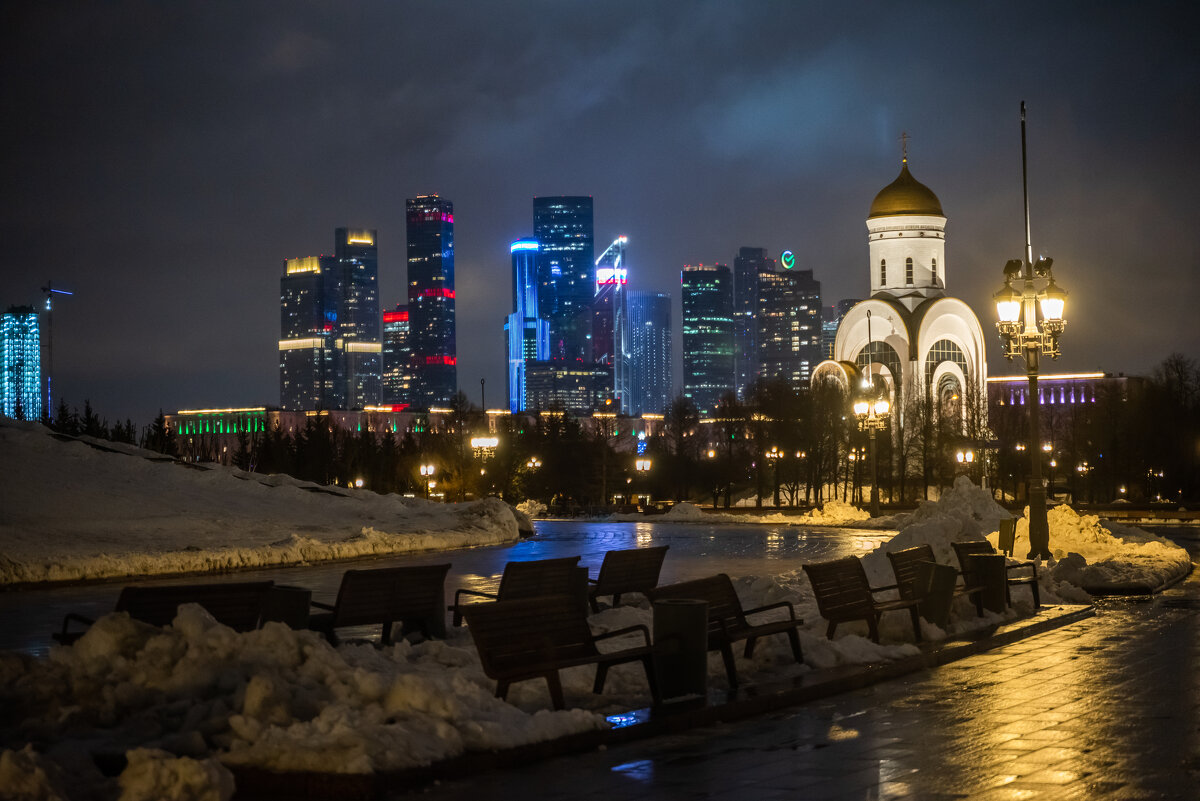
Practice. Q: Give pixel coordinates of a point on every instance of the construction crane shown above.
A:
(50, 291)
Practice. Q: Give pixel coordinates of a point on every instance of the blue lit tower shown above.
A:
(650, 389)
(430, 222)
(708, 342)
(610, 317)
(358, 318)
(750, 262)
(527, 336)
(309, 364)
(20, 364)
(397, 358)
(563, 228)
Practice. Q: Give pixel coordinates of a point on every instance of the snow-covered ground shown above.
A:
(184, 702)
(833, 513)
(69, 511)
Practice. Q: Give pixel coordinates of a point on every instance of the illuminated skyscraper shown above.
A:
(20, 364)
(430, 222)
(397, 358)
(563, 228)
(708, 342)
(650, 389)
(788, 321)
(527, 336)
(357, 321)
(610, 318)
(746, 268)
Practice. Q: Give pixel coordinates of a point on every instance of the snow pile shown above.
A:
(532, 508)
(1101, 555)
(833, 513)
(73, 512)
(173, 698)
(685, 512)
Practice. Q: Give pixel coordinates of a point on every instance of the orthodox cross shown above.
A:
(904, 137)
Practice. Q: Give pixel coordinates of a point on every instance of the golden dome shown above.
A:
(905, 195)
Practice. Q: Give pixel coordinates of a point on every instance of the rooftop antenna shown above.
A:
(50, 292)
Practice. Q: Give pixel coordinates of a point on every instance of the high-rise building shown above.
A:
(562, 386)
(562, 226)
(831, 318)
(750, 262)
(20, 364)
(610, 316)
(708, 341)
(357, 322)
(527, 335)
(650, 389)
(788, 322)
(430, 222)
(308, 367)
(397, 358)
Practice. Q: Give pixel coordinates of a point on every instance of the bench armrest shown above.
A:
(77, 618)
(458, 593)
(888, 587)
(326, 607)
(1025, 564)
(627, 630)
(780, 605)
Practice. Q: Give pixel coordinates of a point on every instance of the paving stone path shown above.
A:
(1107, 708)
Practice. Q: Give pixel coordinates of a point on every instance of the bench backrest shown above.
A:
(512, 636)
(840, 587)
(386, 594)
(542, 577)
(630, 570)
(717, 591)
(236, 604)
(907, 565)
(965, 549)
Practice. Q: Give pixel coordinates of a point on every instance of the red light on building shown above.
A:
(437, 293)
(328, 327)
(395, 317)
(448, 360)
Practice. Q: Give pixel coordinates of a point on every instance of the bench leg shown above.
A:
(730, 667)
(750, 643)
(832, 628)
(595, 604)
(1037, 601)
(916, 621)
(616, 599)
(556, 691)
(794, 639)
(873, 628)
(979, 604)
(648, 664)
(502, 690)
(601, 675)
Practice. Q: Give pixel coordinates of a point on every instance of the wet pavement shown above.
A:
(1105, 708)
(28, 617)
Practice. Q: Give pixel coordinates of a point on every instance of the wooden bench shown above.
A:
(907, 567)
(964, 550)
(537, 637)
(413, 595)
(624, 571)
(843, 594)
(532, 579)
(727, 621)
(235, 604)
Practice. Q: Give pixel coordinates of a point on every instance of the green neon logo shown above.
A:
(789, 259)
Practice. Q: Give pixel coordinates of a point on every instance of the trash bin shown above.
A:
(938, 582)
(681, 647)
(991, 571)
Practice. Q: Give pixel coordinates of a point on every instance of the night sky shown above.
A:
(163, 159)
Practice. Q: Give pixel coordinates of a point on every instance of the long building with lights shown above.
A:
(20, 364)
(708, 335)
(397, 358)
(430, 224)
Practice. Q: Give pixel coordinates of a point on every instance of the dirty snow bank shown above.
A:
(73, 512)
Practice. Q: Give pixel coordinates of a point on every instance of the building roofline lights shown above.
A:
(523, 244)
(1007, 379)
(223, 411)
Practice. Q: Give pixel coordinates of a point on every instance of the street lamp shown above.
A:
(872, 411)
(1030, 323)
(427, 471)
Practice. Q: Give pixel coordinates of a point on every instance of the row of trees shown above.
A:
(783, 446)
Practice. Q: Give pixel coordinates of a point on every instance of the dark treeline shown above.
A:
(782, 446)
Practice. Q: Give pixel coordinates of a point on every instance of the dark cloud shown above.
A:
(163, 159)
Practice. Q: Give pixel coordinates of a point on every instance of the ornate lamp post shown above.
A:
(872, 411)
(427, 471)
(1030, 323)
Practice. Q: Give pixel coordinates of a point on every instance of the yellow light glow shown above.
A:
(298, 344)
(440, 411)
(485, 442)
(1059, 377)
(307, 264)
(359, 238)
(364, 347)
(223, 411)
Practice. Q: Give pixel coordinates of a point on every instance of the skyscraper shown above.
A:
(527, 335)
(309, 367)
(20, 364)
(357, 322)
(831, 319)
(610, 317)
(431, 300)
(563, 227)
(750, 262)
(650, 389)
(788, 322)
(397, 358)
(708, 342)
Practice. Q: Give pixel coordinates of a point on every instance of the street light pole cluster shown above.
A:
(872, 411)
(1030, 311)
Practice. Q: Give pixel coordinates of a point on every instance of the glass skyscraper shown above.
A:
(527, 336)
(750, 262)
(708, 335)
(650, 389)
(20, 364)
(397, 358)
(788, 322)
(357, 323)
(563, 227)
(430, 221)
(610, 317)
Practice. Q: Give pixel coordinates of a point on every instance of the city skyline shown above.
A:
(165, 187)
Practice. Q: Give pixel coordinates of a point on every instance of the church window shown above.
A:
(908, 274)
(883, 272)
(935, 272)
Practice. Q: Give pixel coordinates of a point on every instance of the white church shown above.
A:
(909, 332)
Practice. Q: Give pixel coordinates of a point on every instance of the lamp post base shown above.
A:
(1039, 527)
